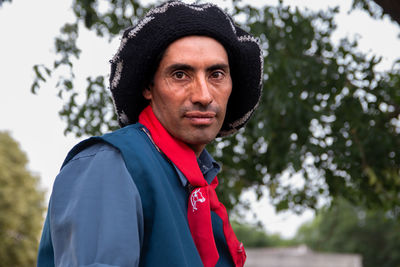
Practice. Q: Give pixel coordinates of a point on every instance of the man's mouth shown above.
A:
(200, 118)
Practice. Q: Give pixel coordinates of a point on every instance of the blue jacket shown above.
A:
(166, 238)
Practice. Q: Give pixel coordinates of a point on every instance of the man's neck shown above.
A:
(197, 149)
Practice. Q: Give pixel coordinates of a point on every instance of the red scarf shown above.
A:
(202, 199)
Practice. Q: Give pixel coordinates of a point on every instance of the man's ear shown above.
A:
(147, 93)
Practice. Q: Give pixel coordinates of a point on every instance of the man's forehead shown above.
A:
(190, 46)
(193, 39)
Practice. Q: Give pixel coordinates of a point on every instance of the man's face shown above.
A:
(190, 90)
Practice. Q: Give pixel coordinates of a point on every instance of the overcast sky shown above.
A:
(27, 31)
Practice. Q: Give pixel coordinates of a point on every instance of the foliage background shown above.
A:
(374, 234)
(21, 205)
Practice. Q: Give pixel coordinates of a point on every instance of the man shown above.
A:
(144, 195)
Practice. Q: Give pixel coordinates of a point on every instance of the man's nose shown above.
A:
(201, 92)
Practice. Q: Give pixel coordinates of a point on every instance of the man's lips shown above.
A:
(200, 118)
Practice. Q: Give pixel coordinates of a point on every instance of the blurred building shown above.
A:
(300, 256)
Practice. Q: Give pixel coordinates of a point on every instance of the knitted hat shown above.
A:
(142, 46)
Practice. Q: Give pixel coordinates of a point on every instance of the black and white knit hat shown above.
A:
(138, 57)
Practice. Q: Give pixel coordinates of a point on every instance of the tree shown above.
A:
(3, 1)
(21, 205)
(326, 114)
(374, 234)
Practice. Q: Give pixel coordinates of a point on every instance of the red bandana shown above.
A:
(202, 199)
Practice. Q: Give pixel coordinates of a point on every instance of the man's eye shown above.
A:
(179, 75)
(217, 75)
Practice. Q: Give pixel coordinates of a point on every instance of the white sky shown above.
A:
(27, 31)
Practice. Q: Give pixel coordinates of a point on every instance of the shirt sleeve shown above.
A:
(96, 216)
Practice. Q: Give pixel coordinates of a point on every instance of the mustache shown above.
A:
(200, 108)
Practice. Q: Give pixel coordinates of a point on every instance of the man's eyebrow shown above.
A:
(221, 66)
(179, 66)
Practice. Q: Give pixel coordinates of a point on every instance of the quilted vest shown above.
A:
(167, 239)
